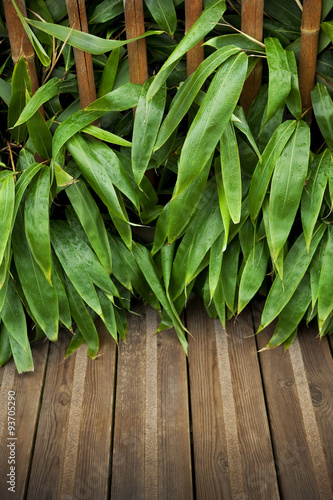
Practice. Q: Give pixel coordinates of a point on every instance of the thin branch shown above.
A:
(241, 32)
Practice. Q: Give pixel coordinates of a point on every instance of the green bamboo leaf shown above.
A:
(325, 291)
(211, 119)
(74, 267)
(58, 283)
(167, 255)
(263, 172)
(106, 10)
(161, 230)
(104, 135)
(164, 13)
(20, 81)
(38, 48)
(42, 95)
(84, 41)
(13, 317)
(204, 237)
(40, 135)
(203, 25)
(286, 12)
(291, 315)
(323, 110)
(222, 202)
(183, 207)
(63, 179)
(146, 265)
(5, 91)
(279, 85)
(229, 274)
(241, 41)
(239, 121)
(215, 264)
(186, 94)
(125, 97)
(231, 172)
(147, 121)
(313, 193)
(5, 349)
(83, 319)
(5, 265)
(7, 203)
(253, 274)
(108, 316)
(287, 186)
(36, 220)
(295, 266)
(109, 73)
(120, 266)
(23, 182)
(92, 221)
(278, 263)
(76, 341)
(293, 101)
(3, 291)
(246, 239)
(96, 174)
(219, 302)
(40, 295)
(315, 270)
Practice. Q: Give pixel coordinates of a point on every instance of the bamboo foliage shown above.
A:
(242, 201)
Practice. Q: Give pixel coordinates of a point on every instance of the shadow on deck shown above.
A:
(143, 422)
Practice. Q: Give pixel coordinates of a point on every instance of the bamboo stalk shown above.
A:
(83, 61)
(137, 52)
(19, 42)
(252, 24)
(195, 56)
(309, 46)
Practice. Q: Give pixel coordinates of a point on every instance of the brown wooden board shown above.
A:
(297, 421)
(151, 452)
(27, 388)
(137, 53)
(72, 451)
(232, 449)
(194, 56)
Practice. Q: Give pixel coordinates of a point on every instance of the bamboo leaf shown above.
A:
(7, 203)
(313, 193)
(325, 291)
(106, 10)
(229, 274)
(147, 121)
(253, 274)
(36, 220)
(293, 101)
(263, 172)
(279, 85)
(323, 110)
(5, 349)
(231, 172)
(42, 95)
(211, 119)
(164, 13)
(84, 41)
(295, 266)
(20, 81)
(203, 25)
(109, 73)
(104, 135)
(108, 315)
(287, 185)
(215, 264)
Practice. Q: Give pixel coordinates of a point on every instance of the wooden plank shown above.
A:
(137, 52)
(252, 24)
(299, 400)
(151, 434)
(27, 388)
(193, 10)
(232, 450)
(72, 452)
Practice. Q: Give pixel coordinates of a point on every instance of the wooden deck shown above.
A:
(143, 422)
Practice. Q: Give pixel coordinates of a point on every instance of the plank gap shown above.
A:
(115, 376)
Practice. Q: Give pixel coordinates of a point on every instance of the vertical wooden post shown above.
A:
(83, 61)
(137, 52)
(195, 56)
(252, 24)
(309, 46)
(19, 42)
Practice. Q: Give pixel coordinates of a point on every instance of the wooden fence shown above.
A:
(252, 12)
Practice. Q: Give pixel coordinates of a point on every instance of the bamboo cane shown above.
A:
(137, 52)
(19, 42)
(252, 24)
(309, 46)
(195, 56)
(83, 61)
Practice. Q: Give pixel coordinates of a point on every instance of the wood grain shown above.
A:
(72, 452)
(292, 416)
(151, 417)
(28, 389)
(193, 10)
(232, 459)
(252, 24)
(137, 52)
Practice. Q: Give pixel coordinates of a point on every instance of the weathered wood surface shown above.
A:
(141, 421)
